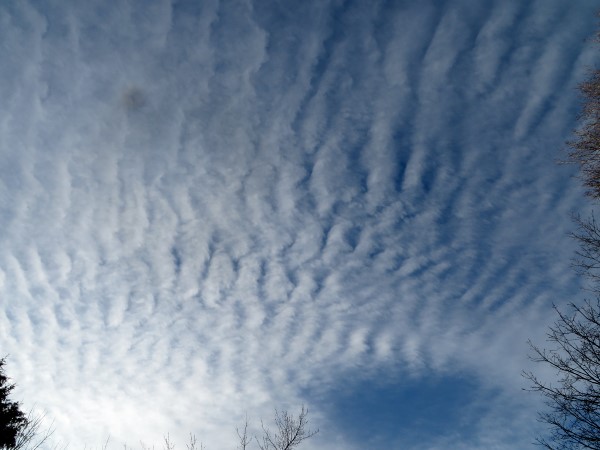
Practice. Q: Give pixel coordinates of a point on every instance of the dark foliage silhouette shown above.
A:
(12, 419)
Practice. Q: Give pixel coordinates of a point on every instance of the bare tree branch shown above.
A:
(290, 432)
(243, 436)
(574, 401)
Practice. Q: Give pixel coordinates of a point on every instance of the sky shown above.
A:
(215, 209)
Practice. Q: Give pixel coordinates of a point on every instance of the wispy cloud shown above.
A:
(214, 208)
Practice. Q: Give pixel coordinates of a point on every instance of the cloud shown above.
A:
(214, 209)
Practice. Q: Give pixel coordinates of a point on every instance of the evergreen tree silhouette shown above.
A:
(12, 419)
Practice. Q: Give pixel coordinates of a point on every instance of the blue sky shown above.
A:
(216, 208)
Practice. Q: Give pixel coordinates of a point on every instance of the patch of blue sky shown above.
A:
(413, 413)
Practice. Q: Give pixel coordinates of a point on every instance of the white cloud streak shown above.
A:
(207, 209)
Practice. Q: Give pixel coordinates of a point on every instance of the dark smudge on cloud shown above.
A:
(133, 99)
